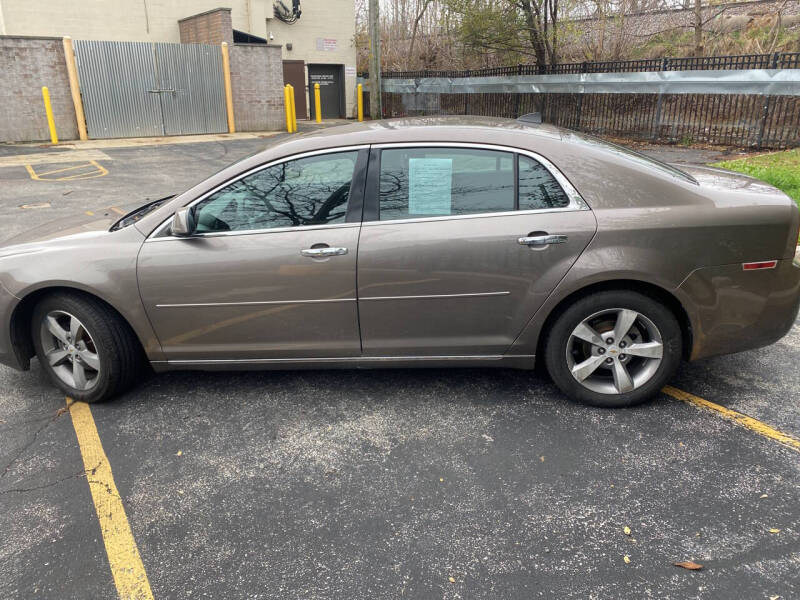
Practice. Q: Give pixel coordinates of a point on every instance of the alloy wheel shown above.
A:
(70, 350)
(614, 351)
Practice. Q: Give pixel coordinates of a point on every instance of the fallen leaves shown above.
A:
(451, 580)
(179, 453)
(627, 559)
(774, 530)
(626, 530)
(688, 564)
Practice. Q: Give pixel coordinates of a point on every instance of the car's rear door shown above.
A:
(270, 273)
(460, 245)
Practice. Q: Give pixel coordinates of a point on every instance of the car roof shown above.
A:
(410, 126)
(486, 130)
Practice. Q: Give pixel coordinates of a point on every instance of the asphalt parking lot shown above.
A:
(382, 484)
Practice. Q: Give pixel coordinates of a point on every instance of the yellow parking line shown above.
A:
(72, 168)
(130, 577)
(737, 417)
(100, 171)
(118, 210)
(96, 170)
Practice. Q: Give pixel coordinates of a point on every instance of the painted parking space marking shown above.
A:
(127, 569)
(90, 169)
(736, 417)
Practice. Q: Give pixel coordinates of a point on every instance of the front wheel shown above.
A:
(613, 348)
(86, 348)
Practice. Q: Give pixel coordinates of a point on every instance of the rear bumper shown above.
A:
(8, 355)
(733, 310)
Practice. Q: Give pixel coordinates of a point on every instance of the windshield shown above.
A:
(631, 155)
(139, 213)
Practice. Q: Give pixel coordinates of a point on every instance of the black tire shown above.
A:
(120, 355)
(557, 339)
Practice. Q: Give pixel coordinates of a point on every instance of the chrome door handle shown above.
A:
(542, 240)
(323, 252)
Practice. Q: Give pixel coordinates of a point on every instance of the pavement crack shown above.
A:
(105, 485)
(32, 440)
(22, 490)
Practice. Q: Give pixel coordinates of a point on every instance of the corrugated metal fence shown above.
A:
(132, 89)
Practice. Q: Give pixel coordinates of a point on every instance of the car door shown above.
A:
(270, 272)
(460, 245)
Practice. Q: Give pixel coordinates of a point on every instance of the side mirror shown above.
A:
(182, 223)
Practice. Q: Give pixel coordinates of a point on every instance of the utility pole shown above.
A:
(374, 61)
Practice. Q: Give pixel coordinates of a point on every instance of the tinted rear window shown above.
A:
(538, 189)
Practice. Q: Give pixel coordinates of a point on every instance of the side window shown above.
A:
(538, 188)
(426, 182)
(306, 191)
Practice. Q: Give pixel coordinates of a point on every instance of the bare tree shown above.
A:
(698, 28)
(425, 4)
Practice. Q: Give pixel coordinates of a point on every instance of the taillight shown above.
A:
(764, 264)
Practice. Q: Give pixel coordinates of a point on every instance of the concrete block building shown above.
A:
(316, 37)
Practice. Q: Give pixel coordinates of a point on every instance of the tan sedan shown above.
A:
(415, 243)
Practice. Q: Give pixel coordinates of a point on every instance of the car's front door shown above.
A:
(270, 272)
(460, 246)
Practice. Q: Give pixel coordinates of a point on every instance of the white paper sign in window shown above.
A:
(430, 186)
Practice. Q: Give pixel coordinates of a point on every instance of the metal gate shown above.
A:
(137, 89)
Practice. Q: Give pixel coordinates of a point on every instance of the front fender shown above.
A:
(103, 266)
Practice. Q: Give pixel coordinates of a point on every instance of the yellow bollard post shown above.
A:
(360, 99)
(317, 109)
(294, 107)
(287, 105)
(226, 74)
(48, 109)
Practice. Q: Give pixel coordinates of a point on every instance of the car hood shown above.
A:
(66, 230)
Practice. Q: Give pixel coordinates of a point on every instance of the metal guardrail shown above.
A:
(771, 82)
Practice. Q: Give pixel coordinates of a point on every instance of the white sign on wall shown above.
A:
(326, 44)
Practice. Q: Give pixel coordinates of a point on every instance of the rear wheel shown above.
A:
(613, 348)
(86, 348)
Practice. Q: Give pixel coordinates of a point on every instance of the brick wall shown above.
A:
(257, 82)
(29, 63)
(211, 27)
